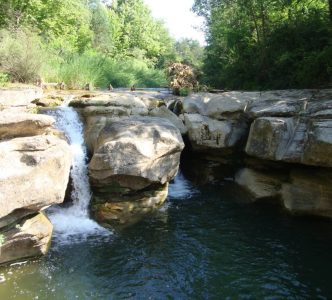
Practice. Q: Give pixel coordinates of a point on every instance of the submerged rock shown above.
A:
(30, 237)
(127, 210)
(309, 192)
(260, 185)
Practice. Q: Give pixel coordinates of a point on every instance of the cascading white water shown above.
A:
(73, 223)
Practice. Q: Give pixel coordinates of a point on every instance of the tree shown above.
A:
(266, 43)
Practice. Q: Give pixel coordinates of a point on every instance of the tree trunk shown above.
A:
(330, 7)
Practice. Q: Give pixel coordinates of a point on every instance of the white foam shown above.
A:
(74, 221)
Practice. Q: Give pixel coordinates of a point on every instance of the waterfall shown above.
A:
(73, 223)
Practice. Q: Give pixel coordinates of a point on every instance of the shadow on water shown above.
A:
(205, 243)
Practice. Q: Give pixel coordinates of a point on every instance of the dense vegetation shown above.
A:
(87, 41)
(267, 43)
(251, 44)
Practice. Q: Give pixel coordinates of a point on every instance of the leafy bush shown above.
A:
(4, 79)
(21, 55)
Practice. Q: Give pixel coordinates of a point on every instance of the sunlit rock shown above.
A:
(34, 172)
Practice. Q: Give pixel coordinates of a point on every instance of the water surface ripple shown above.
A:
(202, 245)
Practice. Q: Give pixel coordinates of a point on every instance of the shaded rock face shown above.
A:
(129, 209)
(309, 192)
(286, 125)
(34, 173)
(288, 132)
(206, 134)
(30, 237)
(134, 158)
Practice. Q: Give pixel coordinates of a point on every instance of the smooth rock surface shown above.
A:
(165, 113)
(29, 238)
(218, 106)
(34, 172)
(23, 124)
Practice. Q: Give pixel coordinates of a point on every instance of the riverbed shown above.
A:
(204, 243)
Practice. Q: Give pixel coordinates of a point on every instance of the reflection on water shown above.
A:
(202, 245)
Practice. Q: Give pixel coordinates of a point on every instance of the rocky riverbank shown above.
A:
(284, 139)
(34, 171)
(277, 146)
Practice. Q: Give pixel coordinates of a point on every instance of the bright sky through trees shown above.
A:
(178, 17)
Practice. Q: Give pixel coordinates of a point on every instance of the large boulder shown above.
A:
(210, 135)
(146, 148)
(228, 105)
(295, 140)
(30, 237)
(34, 172)
(24, 124)
(134, 159)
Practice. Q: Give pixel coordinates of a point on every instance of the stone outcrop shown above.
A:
(34, 173)
(23, 124)
(19, 96)
(38, 168)
(134, 158)
(292, 128)
(30, 237)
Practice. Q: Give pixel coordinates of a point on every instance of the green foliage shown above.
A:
(87, 41)
(266, 43)
(21, 55)
(75, 70)
(189, 52)
(129, 72)
(4, 79)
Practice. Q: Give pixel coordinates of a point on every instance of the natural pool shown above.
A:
(204, 244)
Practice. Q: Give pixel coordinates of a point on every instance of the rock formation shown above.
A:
(293, 128)
(34, 173)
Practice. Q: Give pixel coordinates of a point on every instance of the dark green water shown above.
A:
(204, 244)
